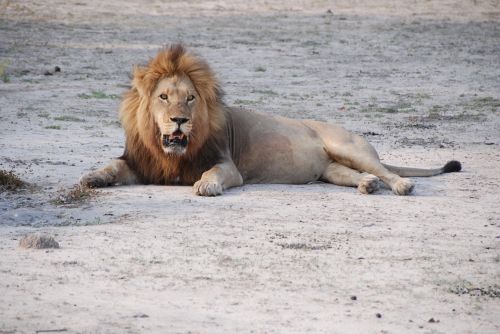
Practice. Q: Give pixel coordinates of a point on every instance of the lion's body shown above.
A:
(178, 131)
(272, 149)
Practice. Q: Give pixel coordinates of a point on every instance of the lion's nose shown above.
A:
(179, 120)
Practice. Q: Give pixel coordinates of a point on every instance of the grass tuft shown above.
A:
(9, 181)
(467, 288)
(303, 246)
(76, 195)
(67, 118)
(3, 72)
(95, 94)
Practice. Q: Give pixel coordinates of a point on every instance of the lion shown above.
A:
(179, 131)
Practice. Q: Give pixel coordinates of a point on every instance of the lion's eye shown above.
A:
(164, 97)
(190, 98)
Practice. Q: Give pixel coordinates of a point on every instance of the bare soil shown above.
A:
(420, 79)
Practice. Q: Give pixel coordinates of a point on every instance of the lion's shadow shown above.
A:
(423, 188)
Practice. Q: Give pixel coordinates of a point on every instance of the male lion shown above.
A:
(179, 131)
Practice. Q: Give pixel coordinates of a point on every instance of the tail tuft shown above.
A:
(452, 166)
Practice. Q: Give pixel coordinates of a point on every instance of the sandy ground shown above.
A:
(419, 78)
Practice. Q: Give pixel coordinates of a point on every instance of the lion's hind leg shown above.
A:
(362, 157)
(116, 172)
(344, 176)
(357, 153)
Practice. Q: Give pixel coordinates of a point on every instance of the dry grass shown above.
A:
(303, 246)
(76, 195)
(9, 181)
(467, 288)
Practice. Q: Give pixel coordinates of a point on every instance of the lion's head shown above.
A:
(171, 115)
(178, 102)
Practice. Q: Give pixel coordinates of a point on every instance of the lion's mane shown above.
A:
(143, 151)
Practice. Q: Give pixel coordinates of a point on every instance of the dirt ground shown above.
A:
(421, 79)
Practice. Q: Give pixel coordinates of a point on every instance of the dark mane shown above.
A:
(183, 170)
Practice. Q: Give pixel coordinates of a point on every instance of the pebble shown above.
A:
(38, 241)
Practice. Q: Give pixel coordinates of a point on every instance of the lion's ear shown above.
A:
(140, 81)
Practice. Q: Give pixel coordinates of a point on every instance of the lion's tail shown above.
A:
(449, 167)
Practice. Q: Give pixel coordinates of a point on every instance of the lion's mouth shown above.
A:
(175, 139)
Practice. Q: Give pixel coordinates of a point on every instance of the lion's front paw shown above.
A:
(403, 187)
(94, 180)
(207, 188)
(369, 184)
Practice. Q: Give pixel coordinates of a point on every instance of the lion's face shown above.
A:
(177, 108)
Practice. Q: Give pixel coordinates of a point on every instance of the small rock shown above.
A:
(57, 69)
(48, 73)
(354, 298)
(378, 315)
(38, 241)
(329, 11)
(371, 133)
(432, 320)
